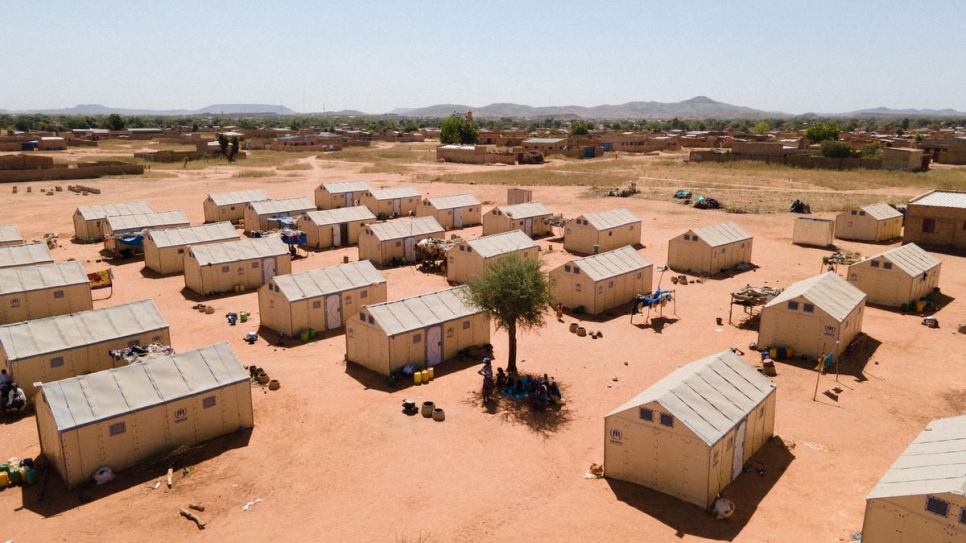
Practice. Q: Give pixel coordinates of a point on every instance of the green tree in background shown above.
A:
(457, 130)
(819, 132)
(762, 128)
(113, 122)
(836, 149)
(579, 128)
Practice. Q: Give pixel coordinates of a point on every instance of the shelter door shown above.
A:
(739, 458)
(336, 236)
(434, 345)
(397, 206)
(333, 311)
(528, 226)
(409, 249)
(458, 217)
(268, 269)
(344, 232)
(349, 201)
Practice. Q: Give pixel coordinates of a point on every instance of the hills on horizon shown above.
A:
(699, 107)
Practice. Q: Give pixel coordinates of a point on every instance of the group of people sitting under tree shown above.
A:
(11, 395)
(541, 392)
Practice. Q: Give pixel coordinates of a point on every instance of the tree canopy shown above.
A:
(819, 132)
(513, 293)
(456, 129)
(579, 128)
(836, 149)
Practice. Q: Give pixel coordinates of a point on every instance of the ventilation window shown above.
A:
(887, 265)
(647, 414)
(567, 268)
(417, 338)
(254, 265)
(224, 269)
(937, 506)
(808, 308)
(316, 304)
(362, 317)
(667, 420)
(181, 251)
(118, 428)
(364, 294)
(793, 306)
(210, 401)
(57, 362)
(695, 238)
(687, 237)
(58, 294)
(875, 264)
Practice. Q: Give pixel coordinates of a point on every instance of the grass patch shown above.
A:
(249, 173)
(298, 166)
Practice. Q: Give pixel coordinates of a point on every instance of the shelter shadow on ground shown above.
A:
(746, 492)
(376, 381)
(50, 498)
(288, 342)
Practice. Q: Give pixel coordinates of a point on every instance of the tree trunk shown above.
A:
(511, 361)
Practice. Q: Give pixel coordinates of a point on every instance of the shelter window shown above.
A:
(808, 308)
(371, 320)
(181, 251)
(854, 212)
(632, 228)
(362, 317)
(58, 294)
(962, 516)
(687, 237)
(469, 249)
(398, 244)
(640, 275)
(255, 265)
(887, 265)
(210, 401)
(793, 306)
(861, 213)
(57, 361)
(232, 208)
(724, 250)
(576, 270)
(118, 428)
(667, 420)
(647, 414)
(364, 294)
(610, 233)
(610, 284)
(462, 248)
(928, 226)
(466, 325)
(937, 506)
(567, 268)
(417, 338)
(875, 264)
(224, 269)
(695, 238)
(271, 286)
(317, 304)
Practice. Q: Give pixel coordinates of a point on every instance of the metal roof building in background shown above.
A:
(234, 251)
(398, 229)
(500, 244)
(239, 197)
(10, 235)
(103, 211)
(934, 463)
(881, 211)
(340, 215)
(31, 254)
(43, 276)
(324, 281)
(521, 211)
(611, 218)
(117, 224)
(941, 198)
(204, 233)
(828, 291)
(612, 263)
(394, 193)
(721, 234)
(285, 205)
(419, 312)
(452, 202)
(911, 259)
(346, 186)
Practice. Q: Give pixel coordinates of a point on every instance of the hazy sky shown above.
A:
(794, 57)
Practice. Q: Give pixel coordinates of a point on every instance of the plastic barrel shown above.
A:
(920, 305)
(773, 353)
(781, 352)
(788, 352)
(417, 377)
(244, 316)
(30, 476)
(431, 373)
(425, 376)
(304, 336)
(15, 475)
(4, 479)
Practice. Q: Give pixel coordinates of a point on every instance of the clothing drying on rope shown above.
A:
(658, 298)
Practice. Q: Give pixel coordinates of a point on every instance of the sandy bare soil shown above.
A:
(333, 458)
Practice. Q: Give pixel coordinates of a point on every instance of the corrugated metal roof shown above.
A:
(87, 399)
(395, 192)
(941, 198)
(234, 251)
(323, 281)
(881, 211)
(522, 211)
(544, 140)
(346, 186)
(204, 233)
(910, 258)
(240, 197)
(612, 263)
(611, 219)
(721, 234)
(406, 228)
(502, 243)
(285, 205)
(40, 336)
(43, 276)
(828, 291)
(340, 215)
(130, 223)
(99, 212)
(10, 232)
(452, 202)
(419, 312)
(934, 463)
(710, 396)
(25, 255)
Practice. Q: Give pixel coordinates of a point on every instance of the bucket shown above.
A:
(417, 377)
(773, 352)
(304, 336)
(788, 352)
(4, 467)
(241, 288)
(718, 320)
(920, 305)
(581, 331)
(391, 380)
(430, 370)
(425, 375)
(781, 352)
(438, 415)
(345, 259)
(573, 327)
(236, 288)
(428, 408)
(243, 316)
(30, 476)
(15, 475)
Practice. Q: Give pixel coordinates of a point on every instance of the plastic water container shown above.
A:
(4, 479)
(425, 375)
(417, 377)
(430, 370)
(773, 353)
(243, 316)
(30, 476)
(15, 475)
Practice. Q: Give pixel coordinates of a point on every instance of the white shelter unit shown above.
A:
(30, 254)
(814, 317)
(35, 292)
(10, 235)
(88, 220)
(710, 249)
(937, 220)
(897, 277)
(873, 222)
(815, 232)
(54, 348)
(921, 497)
(532, 217)
(124, 416)
(164, 250)
(393, 202)
(471, 256)
(453, 211)
(235, 265)
(230, 206)
(118, 226)
(334, 227)
(257, 214)
(690, 434)
(342, 194)
(319, 299)
(602, 232)
(383, 242)
(422, 330)
(603, 281)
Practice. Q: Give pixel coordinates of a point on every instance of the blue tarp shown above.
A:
(284, 221)
(137, 240)
(294, 237)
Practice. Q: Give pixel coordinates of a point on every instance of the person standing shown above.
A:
(487, 372)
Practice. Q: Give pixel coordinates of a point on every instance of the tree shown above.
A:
(579, 128)
(113, 122)
(872, 150)
(836, 149)
(229, 146)
(819, 132)
(456, 129)
(762, 128)
(512, 292)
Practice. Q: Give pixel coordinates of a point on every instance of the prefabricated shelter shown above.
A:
(319, 299)
(710, 249)
(88, 220)
(334, 227)
(937, 220)
(814, 317)
(45, 290)
(873, 222)
(903, 158)
(383, 242)
(30, 254)
(55, 348)
(602, 232)
(811, 231)
(470, 257)
(257, 214)
(422, 330)
(896, 277)
(121, 231)
(235, 265)
(343, 194)
(518, 196)
(921, 497)
(394, 202)
(10, 235)
(603, 281)
(452, 211)
(127, 415)
(164, 250)
(690, 434)
(532, 217)
(230, 206)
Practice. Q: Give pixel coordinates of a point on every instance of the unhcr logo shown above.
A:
(180, 415)
(616, 437)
